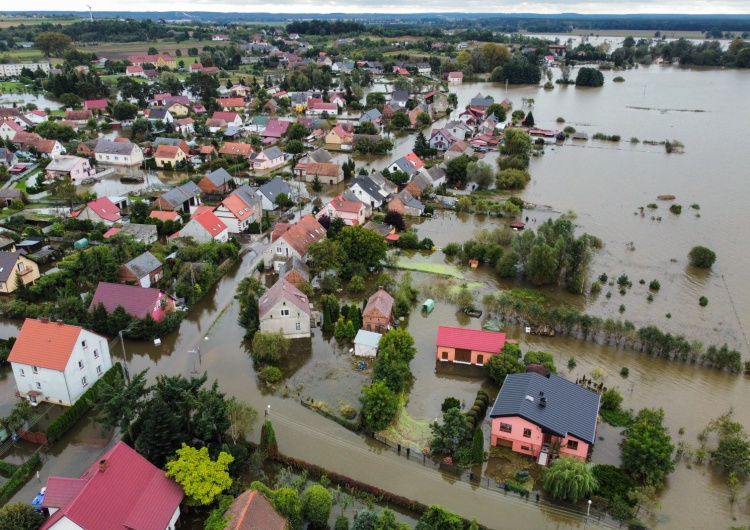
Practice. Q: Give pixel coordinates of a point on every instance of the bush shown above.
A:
(316, 505)
(611, 399)
(270, 374)
(702, 257)
(613, 483)
(676, 209)
(342, 523)
(450, 403)
(703, 301)
(20, 476)
(624, 371)
(654, 285)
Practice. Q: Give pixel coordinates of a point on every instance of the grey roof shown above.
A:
(174, 142)
(182, 193)
(481, 101)
(399, 95)
(219, 177)
(114, 148)
(320, 155)
(368, 338)
(139, 232)
(282, 290)
(272, 188)
(7, 262)
(369, 187)
(143, 265)
(570, 409)
(66, 163)
(378, 178)
(436, 173)
(158, 114)
(6, 155)
(273, 152)
(370, 115)
(247, 193)
(421, 181)
(405, 166)
(294, 263)
(349, 195)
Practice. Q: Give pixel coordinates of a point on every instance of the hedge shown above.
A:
(21, 475)
(67, 420)
(6, 468)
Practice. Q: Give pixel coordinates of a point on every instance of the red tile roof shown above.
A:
(135, 300)
(414, 160)
(164, 216)
(130, 493)
(13, 125)
(45, 344)
(236, 149)
(470, 339)
(112, 231)
(167, 151)
(229, 117)
(300, 235)
(105, 209)
(211, 224)
(238, 207)
(95, 104)
(230, 102)
(381, 301)
(252, 511)
(342, 205)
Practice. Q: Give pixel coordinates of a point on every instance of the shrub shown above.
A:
(316, 505)
(270, 374)
(569, 129)
(596, 287)
(613, 483)
(611, 399)
(654, 285)
(20, 476)
(603, 277)
(702, 257)
(560, 119)
(342, 523)
(348, 412)
(703, 301)
(618, 79)
(624, 371)
(676, 209)
(450, 403)
(452, 249)
(572, 363)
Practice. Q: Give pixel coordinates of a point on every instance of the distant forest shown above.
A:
(493, 21)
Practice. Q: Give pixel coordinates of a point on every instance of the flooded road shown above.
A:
(604, 183)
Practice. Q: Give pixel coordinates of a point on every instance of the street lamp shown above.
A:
(268, 411)
(588, 510)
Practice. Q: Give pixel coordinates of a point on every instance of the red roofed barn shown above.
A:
(57, 362)
(468, 346)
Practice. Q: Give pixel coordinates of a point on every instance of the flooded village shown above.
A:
(607, 189)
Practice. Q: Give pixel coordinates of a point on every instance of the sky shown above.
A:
(620, 7)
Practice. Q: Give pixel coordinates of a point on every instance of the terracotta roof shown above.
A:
(164, 216)
(45, 344)
(381, 301)
(282, 290)
(341, 205)
(136, 301)
(237, 206)
(111, 232)
(252, 511)
(294, 264)
(13, 125)
(166, 151)
(323, 169)
(226, 116)
(105, 209)
(130, 493)
(211, 224)
(302, 234)
(207, 149)
(230, 102)
(470, 339)
(414, 160)
(236, 149)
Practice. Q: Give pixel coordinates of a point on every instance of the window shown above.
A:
(20, 370)
(506, 427)
(38, 385)
(35, 369)
(83, 381)
(298, 326)
(278, 250)
(20, 267)
(80, 365)
(572, 444)
(83, 344)
(527, 433)
(99, 370)
(284, 312)
(96, 354)
(525, 448)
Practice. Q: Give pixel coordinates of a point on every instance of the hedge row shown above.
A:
(67, 420)
(6, 468)
(21, 475)
(352, 426)
(355, 487)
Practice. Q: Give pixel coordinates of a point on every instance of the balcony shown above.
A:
(24, 271)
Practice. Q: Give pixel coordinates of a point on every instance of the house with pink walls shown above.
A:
(544, 416)
(467, 346)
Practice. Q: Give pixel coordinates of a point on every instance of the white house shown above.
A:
(118, 153)
(57, 362)
(366, 343)
(368, 191)
(204, 228)
(285, 308)
(238, 211)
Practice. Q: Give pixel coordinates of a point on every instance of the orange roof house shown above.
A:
(101, 209)
(378, 313)
(289, 240)
(236, 149)
(252, 511)
(57, 362)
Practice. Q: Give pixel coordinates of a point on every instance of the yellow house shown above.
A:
(159, 60)
(169, 153)
(337, 136)
(178, 110)
(15, 265)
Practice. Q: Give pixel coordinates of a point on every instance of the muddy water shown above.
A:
(604, 183)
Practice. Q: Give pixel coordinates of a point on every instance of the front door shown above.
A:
(462, 356)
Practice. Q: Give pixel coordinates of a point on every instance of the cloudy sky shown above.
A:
(620, 7)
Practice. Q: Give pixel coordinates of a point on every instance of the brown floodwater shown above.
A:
(604, 183)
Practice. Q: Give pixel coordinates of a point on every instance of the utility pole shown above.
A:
(125, 357)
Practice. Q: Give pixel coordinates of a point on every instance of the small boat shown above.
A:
(135, 179)
(428, 305)
(88, 181)
(474, 313)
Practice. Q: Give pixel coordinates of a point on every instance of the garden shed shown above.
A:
(366, 343)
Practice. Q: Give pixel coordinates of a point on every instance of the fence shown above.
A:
(33, 437)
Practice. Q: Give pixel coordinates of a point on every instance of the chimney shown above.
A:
(543, 401)
(60, 322)
(103, 465)
(45, 320)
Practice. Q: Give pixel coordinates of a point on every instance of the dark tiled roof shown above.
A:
(219, 177)
(282, 290)
(272, 188)
(143, 265)
(570, 409)
(296, 264)
(114, 148)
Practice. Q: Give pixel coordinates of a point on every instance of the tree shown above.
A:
(455, 169)
(366, 520)
(379, 405)
(400, 120)
(464, 299)
(362, 247)
(201, 478)
(512, 179)
(395, 219)
(647, 448)
(53, 43)
(702, 257)
(611, 399)
(450, 403)
(423, 119)
(357, 284)
(589, 77)
(294, 147)
(518, 71)
(497, 110)
(202, 86)
(161, 433)
(733, 454)
(241, 418)
(403, 83)
(121, 404)
(452, 434)
(569, 479)
(368, 128)
(395, 351)
(542, 265)
(20, 516)
(297, 131)
(477, 447)
(268, 443)
(70, 100)
(529, 120)
(326, 254)
(481, 173)
(316, 505)
(317, 186)
(516, 143)
(124, 111)
(269, 347)
(421, 145)
(438, 518)
(501, 365)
